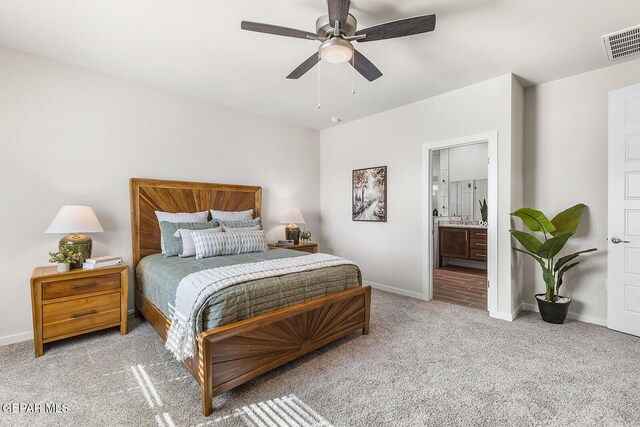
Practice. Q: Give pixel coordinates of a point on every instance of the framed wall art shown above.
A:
(369, 194)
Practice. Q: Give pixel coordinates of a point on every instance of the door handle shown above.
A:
(617, 240)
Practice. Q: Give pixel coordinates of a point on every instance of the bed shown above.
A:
(250, 328)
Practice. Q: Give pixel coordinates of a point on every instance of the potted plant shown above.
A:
(64, 258)
(305, 235)
(484, 210)
(555, 232)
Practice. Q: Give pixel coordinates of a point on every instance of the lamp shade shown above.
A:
(292, 216)
(75, 219)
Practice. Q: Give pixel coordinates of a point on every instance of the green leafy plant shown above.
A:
(305, 234)
(484, 209)
(64, 256)
(556, 233)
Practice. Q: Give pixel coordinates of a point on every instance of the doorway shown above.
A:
(623, 291)
(459, 213)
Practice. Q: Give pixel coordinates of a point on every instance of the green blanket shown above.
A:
(158, 279)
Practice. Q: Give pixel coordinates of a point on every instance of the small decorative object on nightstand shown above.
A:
(76, 220)
(292, 217)
(76, 302)
(310, 247)
(64, 258)
(305, 235)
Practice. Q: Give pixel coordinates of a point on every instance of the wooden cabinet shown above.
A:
(76, 302)
(463, 243)
(478, 244)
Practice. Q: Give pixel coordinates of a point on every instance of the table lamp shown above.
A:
(76, 220)
(292, 217)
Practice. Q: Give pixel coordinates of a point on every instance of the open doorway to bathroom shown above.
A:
(460, 185)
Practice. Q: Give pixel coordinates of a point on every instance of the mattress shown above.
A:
(158, 278)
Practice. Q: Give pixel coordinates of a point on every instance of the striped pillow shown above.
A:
(188, 247)
(217, 244)
(241, 223)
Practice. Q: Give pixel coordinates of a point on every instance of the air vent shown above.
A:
(622, 43)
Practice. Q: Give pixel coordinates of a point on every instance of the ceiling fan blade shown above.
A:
(400, 28)
(364, 66)
(276, 30)
(338, 11)
(304, 67)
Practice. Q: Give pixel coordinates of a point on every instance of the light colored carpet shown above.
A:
(424, 364)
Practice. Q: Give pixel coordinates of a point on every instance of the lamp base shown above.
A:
(292, 232)
(78, 243)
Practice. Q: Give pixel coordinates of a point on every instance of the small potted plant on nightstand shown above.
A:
(305, 235)
(556, 232)
(64, 258)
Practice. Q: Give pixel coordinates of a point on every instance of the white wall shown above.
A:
(390, 254)
(565, 155)
(73, 136)
(468, 163)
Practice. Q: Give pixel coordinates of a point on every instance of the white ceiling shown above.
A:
(196, 47)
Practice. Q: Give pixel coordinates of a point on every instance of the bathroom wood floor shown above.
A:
(461, 286)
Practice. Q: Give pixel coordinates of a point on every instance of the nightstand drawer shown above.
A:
(76, 315)
(66, 288)
(478, 255)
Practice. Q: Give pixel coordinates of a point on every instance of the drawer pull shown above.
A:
(480, 255)
(88, 285)
(481, 234)
(481, 244)
(75, 316)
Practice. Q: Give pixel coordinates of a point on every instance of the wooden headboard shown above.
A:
(150, 195)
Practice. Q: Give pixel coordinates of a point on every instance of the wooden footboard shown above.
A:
(231, 355)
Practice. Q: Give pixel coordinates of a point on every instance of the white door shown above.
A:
(623, 309)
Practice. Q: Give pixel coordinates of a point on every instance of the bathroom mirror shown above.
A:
(459, 181)
(465, 197)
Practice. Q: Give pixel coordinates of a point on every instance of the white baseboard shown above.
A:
(570, 315)
(509, 317)
(393, 290)
(12, 339)
(501, 316)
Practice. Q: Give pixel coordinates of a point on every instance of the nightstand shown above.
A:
(77, 301)
(310, 247)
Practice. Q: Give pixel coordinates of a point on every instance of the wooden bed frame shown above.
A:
(231, 355)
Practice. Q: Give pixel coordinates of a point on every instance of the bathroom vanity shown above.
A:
(463, 242)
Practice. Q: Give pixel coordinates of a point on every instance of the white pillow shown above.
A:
(217, 244)
(242, 229)
(180, 217)
(232, 216)
(188, 247)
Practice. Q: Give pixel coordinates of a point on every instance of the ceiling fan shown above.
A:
(337, 29)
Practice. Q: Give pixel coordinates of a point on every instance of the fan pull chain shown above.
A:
(319, 63)
(353, 75)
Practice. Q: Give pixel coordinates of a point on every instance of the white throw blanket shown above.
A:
(194, 290)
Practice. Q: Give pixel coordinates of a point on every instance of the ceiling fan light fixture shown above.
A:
(336, 51)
